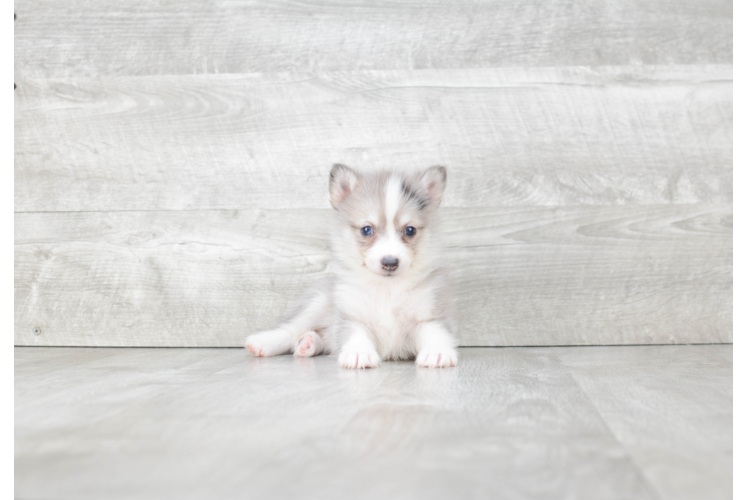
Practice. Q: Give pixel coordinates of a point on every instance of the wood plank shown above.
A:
(511, 137)
(77, 38)
(220, 424)
(739, 269)
(670, 407)
(523, 276)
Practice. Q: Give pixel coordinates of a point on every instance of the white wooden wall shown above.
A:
(171, 162)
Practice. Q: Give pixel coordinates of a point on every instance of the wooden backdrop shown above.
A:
(171, 162)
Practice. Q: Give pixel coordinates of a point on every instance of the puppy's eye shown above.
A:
(410, 231)
(367, 230)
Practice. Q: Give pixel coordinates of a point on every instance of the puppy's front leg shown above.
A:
(359, 350)
(436, 346)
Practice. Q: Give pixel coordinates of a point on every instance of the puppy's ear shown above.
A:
(342, 183)
(434, 181)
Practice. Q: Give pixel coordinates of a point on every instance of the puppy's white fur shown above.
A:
(367, 311)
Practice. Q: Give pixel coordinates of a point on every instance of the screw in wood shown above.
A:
(37, 331)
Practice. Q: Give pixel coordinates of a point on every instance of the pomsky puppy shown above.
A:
(387, 296)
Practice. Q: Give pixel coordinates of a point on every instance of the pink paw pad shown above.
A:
(309, 345)
(305, 346)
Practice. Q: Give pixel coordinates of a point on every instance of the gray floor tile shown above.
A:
(218, 423)
(670, 407)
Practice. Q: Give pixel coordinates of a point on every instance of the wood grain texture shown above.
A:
(739, 269)
(540, 423)
(511, 137)
(78, 38)
(171, 161)
(670, 408)
(522, 276)
(739, 192)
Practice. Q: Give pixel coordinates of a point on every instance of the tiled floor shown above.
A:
(548, 423)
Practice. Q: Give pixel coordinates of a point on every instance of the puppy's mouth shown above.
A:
(391, 273)
(385, 273)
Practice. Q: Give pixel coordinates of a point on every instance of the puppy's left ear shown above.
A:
(434, 180)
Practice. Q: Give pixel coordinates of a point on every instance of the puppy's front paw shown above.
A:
(359, 359)
(437, 358)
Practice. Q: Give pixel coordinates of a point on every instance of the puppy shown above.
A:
(387, 296)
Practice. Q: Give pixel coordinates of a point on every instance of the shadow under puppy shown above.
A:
(387, 297)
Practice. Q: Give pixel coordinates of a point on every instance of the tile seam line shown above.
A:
(649, 487)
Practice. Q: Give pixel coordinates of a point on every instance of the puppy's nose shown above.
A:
(389, 263)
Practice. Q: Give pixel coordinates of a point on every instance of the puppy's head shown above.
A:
(386, 221)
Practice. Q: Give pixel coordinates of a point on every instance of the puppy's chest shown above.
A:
(388, 312)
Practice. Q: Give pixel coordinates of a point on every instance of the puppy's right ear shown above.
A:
(342, 183)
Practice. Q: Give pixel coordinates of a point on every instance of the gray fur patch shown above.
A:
(410, 195)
